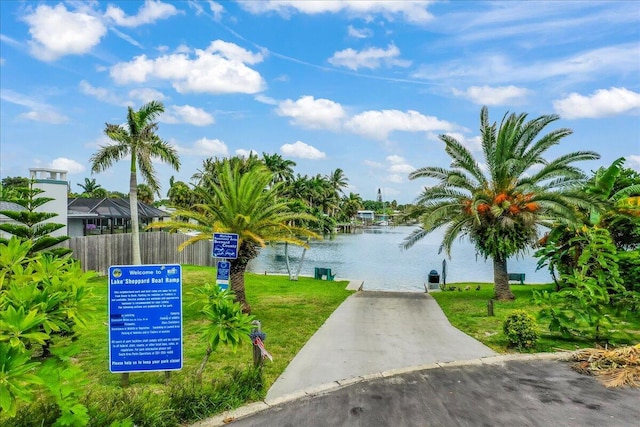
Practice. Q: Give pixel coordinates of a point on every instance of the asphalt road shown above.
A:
(514, 393)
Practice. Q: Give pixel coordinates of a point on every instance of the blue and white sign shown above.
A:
(145, 318)
(222, 277)
(224, 268)
(225, 245)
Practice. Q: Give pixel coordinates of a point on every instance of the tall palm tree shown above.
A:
(136, 138)
(501, 209)
(282, 169)
(244, 203)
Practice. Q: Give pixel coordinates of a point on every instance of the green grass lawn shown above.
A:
(290, 312)
(467, 311)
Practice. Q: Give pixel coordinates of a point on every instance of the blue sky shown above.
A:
(365, 86)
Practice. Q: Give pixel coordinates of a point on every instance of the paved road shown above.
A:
(536, 393)
(372, 332)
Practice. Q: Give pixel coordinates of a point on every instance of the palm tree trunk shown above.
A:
(238, 267)
(502, 289)
(133, 201)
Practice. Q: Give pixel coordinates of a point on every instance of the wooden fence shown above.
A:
(98, 253)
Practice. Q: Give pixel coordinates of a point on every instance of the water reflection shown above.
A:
(374, 256)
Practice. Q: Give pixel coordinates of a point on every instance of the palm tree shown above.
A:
(282, 169)
(136, 138)
(89, 186)
(501, 209)
(244, 203)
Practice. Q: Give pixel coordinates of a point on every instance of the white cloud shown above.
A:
(369, 58)
(378, 124)
(150, 12)
(399, 165)
(126, 38)
(186, 114)
(57, 32)
(302, 151)
(500, 95)
(601, 103)
(395, 178)
(242, 152)
(265, 100)
(359, 33)
(101, 94)
(584, 66)
(68, 165)
(410, 11)
(218, 69)
(205, 147)
(216, 9)
(634, 161)
(312, 113)
(2, 61)
(40, 112)
(145, 95)
(373, 164)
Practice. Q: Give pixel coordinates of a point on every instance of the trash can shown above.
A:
(434, 277)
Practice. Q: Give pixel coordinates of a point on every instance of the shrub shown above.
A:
(520, 329)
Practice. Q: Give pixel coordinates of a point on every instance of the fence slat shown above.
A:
(100, 252)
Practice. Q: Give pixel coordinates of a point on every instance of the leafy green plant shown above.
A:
(41, 305)
(520, 329)
(226, 323)
(594, 289)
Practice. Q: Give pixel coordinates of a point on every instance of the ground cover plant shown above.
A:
(290, 313)
(467, 311)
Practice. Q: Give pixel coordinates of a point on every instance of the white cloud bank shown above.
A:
(56, 31)
(411, 11)
(500, 95)
(601, 103)
(220, 68)
(68, 165)
(302, 151)
(312, 113)
(371, 58)
(186, 114)
(379, 124)
(205, 147)
(39, 111)
(148, 13)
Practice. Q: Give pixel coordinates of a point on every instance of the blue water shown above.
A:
(374, 257)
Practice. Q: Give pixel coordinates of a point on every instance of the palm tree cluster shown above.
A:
(501, 205)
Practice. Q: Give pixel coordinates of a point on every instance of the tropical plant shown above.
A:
(137, 138)
(595, 289)
(244, 203)
(282, 169)
(145, 194)
(90, 187)
(500, 209)
(33, 225)
(226, 324)
(41, 307)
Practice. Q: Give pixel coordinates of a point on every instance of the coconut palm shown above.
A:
(247, 204)
(137, 138)
(501, 209)
(282, 169)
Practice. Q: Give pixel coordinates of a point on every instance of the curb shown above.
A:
(256, 407)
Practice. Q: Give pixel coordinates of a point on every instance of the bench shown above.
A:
(517, 276)
(323, 273)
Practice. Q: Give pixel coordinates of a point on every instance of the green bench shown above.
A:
(517, 276)
(321, 273)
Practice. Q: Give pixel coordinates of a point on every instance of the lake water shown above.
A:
(374, 256)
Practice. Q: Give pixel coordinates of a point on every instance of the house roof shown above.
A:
(110, 208)
(10, 206)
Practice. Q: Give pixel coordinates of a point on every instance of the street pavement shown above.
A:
(393, 359)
